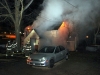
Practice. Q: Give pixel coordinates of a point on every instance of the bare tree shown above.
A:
(14, 9)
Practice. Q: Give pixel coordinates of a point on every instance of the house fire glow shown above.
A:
(56, 36)
(71, 13)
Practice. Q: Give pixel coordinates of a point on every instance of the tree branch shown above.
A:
(4, 6)
(70, 3)
(9, 11)
(28, 5)
(10, 22)
(3, 19)
(21, 12)
(4, 15)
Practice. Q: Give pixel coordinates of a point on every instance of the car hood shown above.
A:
(40, 55)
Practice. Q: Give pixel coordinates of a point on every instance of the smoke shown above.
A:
(80, 12)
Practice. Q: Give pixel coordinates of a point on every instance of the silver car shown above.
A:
(48, 56)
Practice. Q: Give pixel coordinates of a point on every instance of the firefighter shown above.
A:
(9, 51)
(27, 50)
(23, 49)
(14, 46)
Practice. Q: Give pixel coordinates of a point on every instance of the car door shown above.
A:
(63, 51)
(57, 54)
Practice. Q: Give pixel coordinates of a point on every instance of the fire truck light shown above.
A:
(10, 36)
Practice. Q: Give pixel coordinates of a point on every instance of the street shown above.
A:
(79, 63)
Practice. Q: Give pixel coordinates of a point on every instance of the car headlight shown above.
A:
(43, 59)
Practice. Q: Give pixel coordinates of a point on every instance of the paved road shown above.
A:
(78, 64)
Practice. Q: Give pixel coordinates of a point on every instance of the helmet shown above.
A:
(9, 42)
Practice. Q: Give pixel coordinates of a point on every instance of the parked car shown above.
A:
(48, 56)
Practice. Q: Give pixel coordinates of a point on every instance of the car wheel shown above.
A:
(51, 63)
(66, 57)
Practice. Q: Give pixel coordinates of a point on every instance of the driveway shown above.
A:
(84, 63)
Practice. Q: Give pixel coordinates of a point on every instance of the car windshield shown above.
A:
(47, 49)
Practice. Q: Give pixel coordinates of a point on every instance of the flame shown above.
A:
(28, 28)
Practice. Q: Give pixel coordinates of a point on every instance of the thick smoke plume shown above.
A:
(79, 12)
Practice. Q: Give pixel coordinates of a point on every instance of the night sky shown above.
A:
(34, 9)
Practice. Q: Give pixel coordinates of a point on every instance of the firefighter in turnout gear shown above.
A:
(14, 46)
(27, 49)
(9, 51)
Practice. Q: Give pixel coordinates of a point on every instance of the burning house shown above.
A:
(80, 13)
(57, 35)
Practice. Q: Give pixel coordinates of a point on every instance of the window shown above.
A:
(47, 49)
(61, 48)
(57, 50)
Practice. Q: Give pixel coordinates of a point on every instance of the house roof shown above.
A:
(55, 26)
